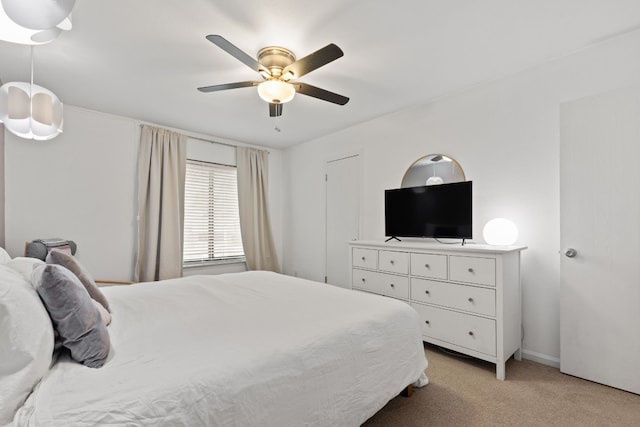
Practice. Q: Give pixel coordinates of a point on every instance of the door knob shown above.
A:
(570, 253)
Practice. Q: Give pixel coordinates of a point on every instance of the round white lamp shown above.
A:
(500, 231)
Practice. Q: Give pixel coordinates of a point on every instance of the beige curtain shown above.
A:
(161, 173)
(257, 239)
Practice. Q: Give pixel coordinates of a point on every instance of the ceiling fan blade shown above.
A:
(316, 92)
(313, 61)
(234, 51)
(226, 86)
(275, 110)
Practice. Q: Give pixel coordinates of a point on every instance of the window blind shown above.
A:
(211, 220)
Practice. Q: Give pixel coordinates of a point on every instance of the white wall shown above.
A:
(82, 185)
(78, 186)
(505, 135)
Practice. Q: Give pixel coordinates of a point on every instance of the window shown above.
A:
(211, 220)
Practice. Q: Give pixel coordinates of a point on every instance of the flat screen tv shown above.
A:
(429, 211)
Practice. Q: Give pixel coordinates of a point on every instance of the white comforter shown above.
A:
(246, 349)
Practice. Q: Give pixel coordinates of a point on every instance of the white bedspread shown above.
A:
(245, 349)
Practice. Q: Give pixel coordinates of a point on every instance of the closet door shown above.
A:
(600, 239)
(342, 216)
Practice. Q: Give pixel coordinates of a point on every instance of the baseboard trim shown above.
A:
(541, 358)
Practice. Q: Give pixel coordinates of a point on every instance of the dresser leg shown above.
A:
(500, 370)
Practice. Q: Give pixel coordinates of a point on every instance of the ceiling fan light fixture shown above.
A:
(277, 65)
(276, 91)
(288, 76)
(265, 74)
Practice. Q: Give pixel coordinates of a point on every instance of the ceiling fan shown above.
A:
(278, 68)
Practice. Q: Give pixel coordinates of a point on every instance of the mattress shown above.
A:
(242, 349)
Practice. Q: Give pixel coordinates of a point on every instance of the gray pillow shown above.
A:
(68, 261)
(74, 316)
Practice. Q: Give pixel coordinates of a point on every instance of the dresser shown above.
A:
(468, 297)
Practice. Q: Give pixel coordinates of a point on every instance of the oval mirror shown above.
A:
(433, 169)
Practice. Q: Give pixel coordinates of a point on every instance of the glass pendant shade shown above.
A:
(30, 111)
(12, 31)
(276, 91)
(38, 14)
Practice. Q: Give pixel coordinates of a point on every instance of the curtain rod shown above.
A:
(213, 142)
(207, 140)
(224, 143)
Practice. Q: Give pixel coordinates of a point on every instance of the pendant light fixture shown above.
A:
(38, 14)
(30, 111)
(435, 179)
(34, 21)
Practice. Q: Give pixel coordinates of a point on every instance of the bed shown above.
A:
(241, 349)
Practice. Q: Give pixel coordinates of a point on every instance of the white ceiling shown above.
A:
(145, 59)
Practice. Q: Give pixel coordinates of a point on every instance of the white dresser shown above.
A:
(468, 297)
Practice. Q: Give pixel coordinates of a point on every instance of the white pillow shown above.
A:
(4, 256)
(26, 341)
(24, 266)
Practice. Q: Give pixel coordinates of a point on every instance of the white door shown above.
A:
(343, 213)
(600, 238)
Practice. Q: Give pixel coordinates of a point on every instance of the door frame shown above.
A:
(334, 158)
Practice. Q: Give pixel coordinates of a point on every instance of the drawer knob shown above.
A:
(427, 266)
(427, 322)
(363, 280)
(470, 333)
(427, 292)
(392, 262)
(470, 270)
(471, 300)
(392, 285)
(363, 258)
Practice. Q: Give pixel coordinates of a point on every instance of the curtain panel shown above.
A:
(161, 176)
(257, 238)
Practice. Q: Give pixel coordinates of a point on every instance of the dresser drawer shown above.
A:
(365, 258)
(461, 297)
(393, 261)
(362, 279)
(381, 283)
(429, 265)
(466, 330)
(481, 271)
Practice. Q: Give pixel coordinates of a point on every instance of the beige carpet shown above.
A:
(465, 392)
